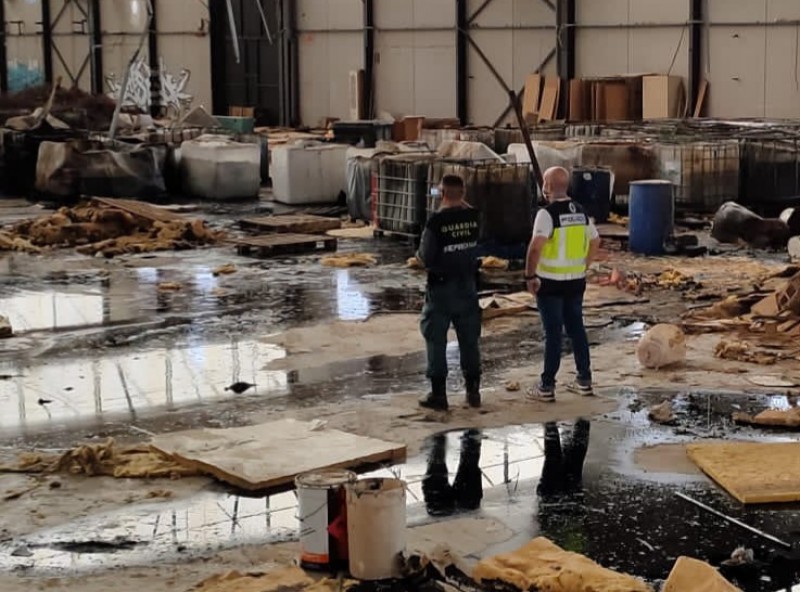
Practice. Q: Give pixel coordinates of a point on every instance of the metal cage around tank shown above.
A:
(705, 174)
(502, 192)
(400, 191)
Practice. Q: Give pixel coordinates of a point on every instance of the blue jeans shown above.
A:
(557, 313)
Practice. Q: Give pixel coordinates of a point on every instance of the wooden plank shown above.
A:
(549, 107)
(752, 472)
(701, 99)
(530, 97)
(303, 224)
(271, 455)
(271, 245)
(141, 209)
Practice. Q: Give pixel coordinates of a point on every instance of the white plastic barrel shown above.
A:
(376, 528)
(663, 345)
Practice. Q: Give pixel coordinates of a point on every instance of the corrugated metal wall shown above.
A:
(751, 49)
(183, 41)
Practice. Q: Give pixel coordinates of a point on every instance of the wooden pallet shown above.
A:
(301, 224)
(271, 245)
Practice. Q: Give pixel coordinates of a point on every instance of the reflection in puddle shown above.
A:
(130, 383)
(507, 457)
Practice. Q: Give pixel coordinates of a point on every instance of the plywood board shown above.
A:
(691, 575)
(701, 99)
(530, 99)
(271, 455)
(752, 472)
(549, 106)
(141, 209)
(578, 100)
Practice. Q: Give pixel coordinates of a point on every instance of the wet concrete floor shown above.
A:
(573, 482)
(108, 348)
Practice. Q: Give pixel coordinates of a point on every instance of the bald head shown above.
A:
(556, 183)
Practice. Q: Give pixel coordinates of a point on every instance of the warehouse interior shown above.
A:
(283, 284)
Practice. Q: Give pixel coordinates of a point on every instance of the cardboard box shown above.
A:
(663, 97)
(408, 129)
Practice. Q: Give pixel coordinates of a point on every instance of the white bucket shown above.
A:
(323, 519)
(376, 528)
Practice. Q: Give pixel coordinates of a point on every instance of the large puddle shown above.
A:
(98, 344)
(556, 480)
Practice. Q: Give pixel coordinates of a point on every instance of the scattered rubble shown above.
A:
(277, 580)
(349, 260)
(494, 263)
(227, 269)
(513, 386)
(169, 287)
(741, 351)
(662, 413)
(105, 459)
(96, 228)
(789, 418)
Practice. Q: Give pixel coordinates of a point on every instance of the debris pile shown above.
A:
(105, 459)
(71, 105)
(765, 326)
(94, 227)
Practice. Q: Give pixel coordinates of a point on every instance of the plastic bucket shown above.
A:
(376, 528)
(323, 519)
(652, 215)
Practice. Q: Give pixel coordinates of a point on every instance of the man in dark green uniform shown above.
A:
(449, 251)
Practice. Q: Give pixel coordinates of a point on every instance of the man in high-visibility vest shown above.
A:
(564, 243)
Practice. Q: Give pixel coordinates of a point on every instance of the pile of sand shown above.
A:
(96, 228)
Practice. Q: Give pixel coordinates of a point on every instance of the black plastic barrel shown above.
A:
(591, 187)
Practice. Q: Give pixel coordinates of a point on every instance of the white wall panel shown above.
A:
(327, 58)
(783, 10)
(184, 43)
(414, 14)
(607, 51)
(329, 15)
(736, 11)
(736, 71)
(510, 33)
(415, 73)
(325, 62)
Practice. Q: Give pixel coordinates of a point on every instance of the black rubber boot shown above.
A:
(474, 392)
(437, 398)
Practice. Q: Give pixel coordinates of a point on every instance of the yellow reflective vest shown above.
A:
(564, 255)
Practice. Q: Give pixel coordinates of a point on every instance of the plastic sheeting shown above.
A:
(70, 169)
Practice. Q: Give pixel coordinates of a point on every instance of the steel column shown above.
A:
(3, 53)
(47, 41)
(154, 61)
(462, 65)
(697, 17)
(565, 23)
(96, 49)
(219, 46)
(368, 98)
(289, 67)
